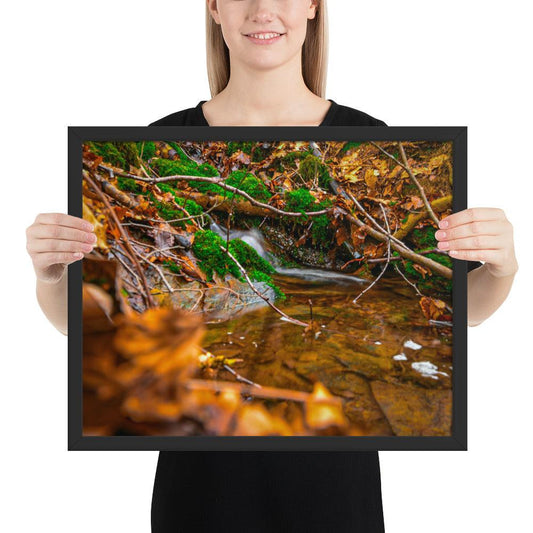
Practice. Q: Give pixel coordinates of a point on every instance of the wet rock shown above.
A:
(218, 301)
(414, 411)
(360, 406)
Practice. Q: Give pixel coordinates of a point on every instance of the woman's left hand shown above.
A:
(480, 234)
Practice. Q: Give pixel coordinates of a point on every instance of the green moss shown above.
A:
(181, 154)
(312, 167)
(147, 148)
(424, 237)
(291, 157)
(443, 259)
(129, 151)
(252, 148)
(242, 146)
(187, 167)
(167, 211)
(248, 256)
(301, 200)
(206, 247)
(190, 205)
(169, 167)
(109, 153)
(172, 266)
(434, 282)
(247, 182)
(349, 146)
(321, 231)
(257, 275)
(205, 169)
(129, 185)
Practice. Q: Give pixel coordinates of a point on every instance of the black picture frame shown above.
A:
(457, 441)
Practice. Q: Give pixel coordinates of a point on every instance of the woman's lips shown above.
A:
(264, 41)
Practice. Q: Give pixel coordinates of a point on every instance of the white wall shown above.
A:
(128, 63)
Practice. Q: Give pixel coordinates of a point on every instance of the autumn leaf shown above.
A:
(434, 309)
(370, 178)
(321, 414)
(99, 224)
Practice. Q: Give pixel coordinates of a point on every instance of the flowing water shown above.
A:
(392, 369)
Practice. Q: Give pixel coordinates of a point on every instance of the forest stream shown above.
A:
(286, 288)
(371, 353)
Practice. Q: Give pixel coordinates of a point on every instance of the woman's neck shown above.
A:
(276, 97)
(229, 110)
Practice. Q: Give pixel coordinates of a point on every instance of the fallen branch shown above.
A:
(258, 391)
(383, 236)
(132, 255)
(407, 168)
(217, 180)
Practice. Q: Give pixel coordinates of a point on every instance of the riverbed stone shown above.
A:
(415, 411)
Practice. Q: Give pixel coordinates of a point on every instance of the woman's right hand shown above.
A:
(54, 241)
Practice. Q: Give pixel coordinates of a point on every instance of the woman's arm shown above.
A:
(54, 241)
(482, 234)
(486, 293)
(53, 300)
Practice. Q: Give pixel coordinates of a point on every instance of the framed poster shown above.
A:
(267, 288)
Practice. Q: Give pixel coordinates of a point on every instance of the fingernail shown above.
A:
(89, 227)
(443, 224)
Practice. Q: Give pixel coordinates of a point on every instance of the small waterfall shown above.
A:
(253, 237)
(256, 240)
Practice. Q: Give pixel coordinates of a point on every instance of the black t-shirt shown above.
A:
(269, 492)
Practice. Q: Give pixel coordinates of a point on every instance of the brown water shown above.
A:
(353, 355)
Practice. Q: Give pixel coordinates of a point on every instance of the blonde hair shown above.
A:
(314, 53)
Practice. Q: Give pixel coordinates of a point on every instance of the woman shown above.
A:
(277, 50)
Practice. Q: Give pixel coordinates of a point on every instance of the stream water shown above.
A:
(392, 369)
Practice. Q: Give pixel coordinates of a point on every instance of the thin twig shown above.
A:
(420, 188)
(388, 258)
(287, 317)
(407, 168)
(371, 218)
(132, 257)
(217, 180)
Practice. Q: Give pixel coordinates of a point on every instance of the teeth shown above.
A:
(264, 35)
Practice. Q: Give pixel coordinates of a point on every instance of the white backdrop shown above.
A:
(410, 63)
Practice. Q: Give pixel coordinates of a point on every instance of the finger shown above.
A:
(58, 245)
(489, 256)
(470, 215)
(45, 259)
(63, 219)
(483, 227)
(49, 231)
(477, 242)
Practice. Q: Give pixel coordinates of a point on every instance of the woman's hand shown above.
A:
(54, 241)
(480, 234)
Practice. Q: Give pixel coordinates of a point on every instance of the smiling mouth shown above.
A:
(264, 38)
